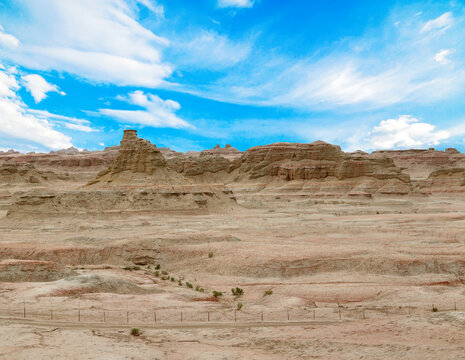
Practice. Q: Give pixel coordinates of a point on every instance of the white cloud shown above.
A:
(441, 23)
(157, 112)
(78, 127)
(235, 3)
(209, 50)
(405, 132)
(98, 40)
(387, 66)
(69, 122)
(39, 87)
(17, 122)
(7, 40)
(158, 10)
(442, 56)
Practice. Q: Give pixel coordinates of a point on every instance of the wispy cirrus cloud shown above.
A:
(399, 62)
(235, 3)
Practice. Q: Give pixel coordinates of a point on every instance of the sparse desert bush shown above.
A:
(239, 305)
(135, 332)
(197, 287)
(268, 292)
(157, 267)
(136, 267)
(156, 273)
(172, 279)
(164, 272)
(210, 254)
(165, 277)
(128, 268)
(179, 282)
(237, 292)
(201, 290)
(217, 294)
(189, 285)
(435, 309)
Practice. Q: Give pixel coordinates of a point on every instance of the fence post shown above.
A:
(155, 316)
(235, 318)
(262, 315)
(340, 315)
(287, 314)
(24, 309)
(208, 316)
(313, 314)
(455, 305)
(104, 316)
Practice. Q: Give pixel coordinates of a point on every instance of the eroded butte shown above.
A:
(337, 255)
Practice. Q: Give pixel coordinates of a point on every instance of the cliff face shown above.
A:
(317, 160)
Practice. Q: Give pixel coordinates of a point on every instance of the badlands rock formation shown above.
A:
(12, 173)
(138, 162)
(321, 168)
(138, 179)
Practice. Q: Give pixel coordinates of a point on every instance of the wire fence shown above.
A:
(155, 315)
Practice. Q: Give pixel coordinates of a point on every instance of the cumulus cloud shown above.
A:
(156, 111)
(39, 87)
(405, 132)
(18, 122)
(98, 40)
(440, 23)
(235, 3)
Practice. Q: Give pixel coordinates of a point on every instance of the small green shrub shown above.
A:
(268, 292)
(136, 267)
(217, 293)
(179, 282)
(197, 287)
(172, 279)
(157, 267)
(165, 277)
(189, 285)
(210, 254)
(239, 305)
(201, 290)
(237, 292)
(435, 309)
(164, 272)
(127, 268)
(135, 332)
(156, 273)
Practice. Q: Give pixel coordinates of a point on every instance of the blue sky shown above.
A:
(192, 74)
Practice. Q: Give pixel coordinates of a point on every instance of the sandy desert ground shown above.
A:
(341, 275)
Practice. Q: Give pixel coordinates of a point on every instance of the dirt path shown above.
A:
(192, 325)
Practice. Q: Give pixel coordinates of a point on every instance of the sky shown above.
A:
(362, 74)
